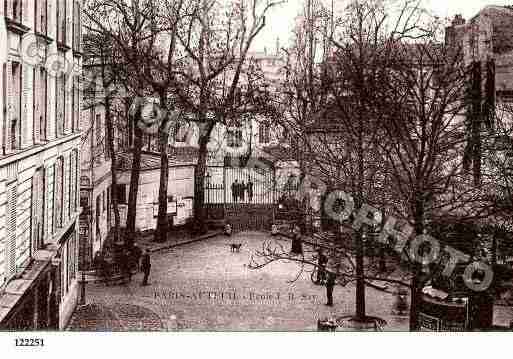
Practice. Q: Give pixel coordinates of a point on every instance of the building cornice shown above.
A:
(34, 150)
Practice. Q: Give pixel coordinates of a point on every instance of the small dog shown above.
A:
(235, 247)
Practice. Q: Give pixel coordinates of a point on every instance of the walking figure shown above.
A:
(250, 191)
(146, 266)
(235, 190)
(136, 255)
(330, 284)
(242, 193)
(321, 262)
(297, 246)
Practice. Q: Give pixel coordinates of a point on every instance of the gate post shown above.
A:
(224, 191)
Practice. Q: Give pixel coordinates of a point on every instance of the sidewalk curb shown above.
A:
(193, 240)
(95, 279)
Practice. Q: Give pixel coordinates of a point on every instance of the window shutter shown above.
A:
(8, 8)
(37, 201)
(12, 197)
(25, 13)
(73, 181)
(5, 101)
(27, 104)
(37, 105)
(44, 104)
(64, 191)
(44, 17)
(48, 225)
(37, 15)
(67, 102)
(10, 106)
(50, 30)
(58, 194)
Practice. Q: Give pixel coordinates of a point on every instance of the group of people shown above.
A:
(126, 260)
(239, 190)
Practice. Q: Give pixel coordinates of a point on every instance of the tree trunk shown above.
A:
(360, 250)
(199, 181)
(134, 183)
(113, 170)
(360, 279)
(416, 282)
(162, 221)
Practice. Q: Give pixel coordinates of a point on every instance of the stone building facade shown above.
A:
(40, 62)
(488, 36)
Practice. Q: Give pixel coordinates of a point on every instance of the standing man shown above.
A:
(235, 188)
(146, 266)
(250, 191)
(321, 262)
(297, 246)
(330, 283)
(136, 255)
(242, 191)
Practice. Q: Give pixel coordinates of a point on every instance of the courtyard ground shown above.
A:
(205, 286)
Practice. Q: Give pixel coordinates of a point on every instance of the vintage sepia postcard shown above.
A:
(255, 165)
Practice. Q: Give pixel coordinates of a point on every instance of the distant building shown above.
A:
(39, 162)
(96, 219)
(180, 190)
(488, 36)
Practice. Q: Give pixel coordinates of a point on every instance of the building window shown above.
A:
(40, 9)
(10, 248)
(182, 132)
(40, 100)
(4, 109)
(76, 183)
(234, 137)
(121, 194)
(264, 132)
(61, 21)
(60, 103)
(58, 203)
(71, 185)
(38, 208)
(15, 106)
(75, 122)
(16, 10)
(77, 27)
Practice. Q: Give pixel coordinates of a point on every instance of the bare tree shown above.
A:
(133, 29)
(215, 38)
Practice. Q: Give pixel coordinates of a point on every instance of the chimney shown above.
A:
(458, 20)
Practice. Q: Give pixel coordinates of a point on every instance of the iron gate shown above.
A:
(243, 196)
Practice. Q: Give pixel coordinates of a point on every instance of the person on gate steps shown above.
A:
(250, 191)
(322, 260)
(242, 193)
(235, 190)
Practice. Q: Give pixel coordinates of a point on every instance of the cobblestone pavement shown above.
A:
(204, 286)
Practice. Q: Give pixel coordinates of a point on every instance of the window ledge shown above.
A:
(45, 37)
(63, 47)
(16, 27)
(78, 53)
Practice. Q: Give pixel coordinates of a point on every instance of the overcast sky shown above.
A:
(280, 21)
